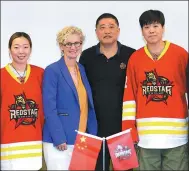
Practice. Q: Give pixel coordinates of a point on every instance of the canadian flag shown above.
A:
(122, 151)
(85, 153)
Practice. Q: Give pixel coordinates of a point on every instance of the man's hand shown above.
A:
(62, 147)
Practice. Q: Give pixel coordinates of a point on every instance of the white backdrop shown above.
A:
(42, 20)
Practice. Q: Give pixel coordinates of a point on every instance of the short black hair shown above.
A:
(17, 35)
(151, 16)
(107, 15)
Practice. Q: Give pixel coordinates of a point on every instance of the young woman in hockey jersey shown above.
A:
(21, 108)
(155, 98)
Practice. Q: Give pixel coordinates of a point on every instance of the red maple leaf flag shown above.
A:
(122, 151)
(85, 153)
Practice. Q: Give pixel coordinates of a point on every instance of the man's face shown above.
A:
(153, 33)
(107, 31)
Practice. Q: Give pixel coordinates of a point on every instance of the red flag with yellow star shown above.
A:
(85, 153)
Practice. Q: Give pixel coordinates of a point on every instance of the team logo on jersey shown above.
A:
(122, 152)
(156, 88)
(24, 111)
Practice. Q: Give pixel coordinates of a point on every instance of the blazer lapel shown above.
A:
(87, 86)
(66, 74)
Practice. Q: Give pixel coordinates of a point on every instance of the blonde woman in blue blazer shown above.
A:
(67, 100)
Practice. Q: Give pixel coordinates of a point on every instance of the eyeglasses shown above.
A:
(76, 44)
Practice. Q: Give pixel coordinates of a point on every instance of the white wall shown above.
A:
(42, 20)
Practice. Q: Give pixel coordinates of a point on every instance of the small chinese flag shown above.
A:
(122, 151)
(85, 153)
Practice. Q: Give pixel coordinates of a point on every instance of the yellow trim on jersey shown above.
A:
(159, 123)
(25, 147)
(162, 53)
(173, 132)
(27, 72)
(125, 106)
(16, 156)
(128, 113)
(11, 73)
(7, 67)
(129, 109)
(164, 50)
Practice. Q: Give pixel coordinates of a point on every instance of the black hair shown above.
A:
(107, 15)
(151, 16)
(17, 35)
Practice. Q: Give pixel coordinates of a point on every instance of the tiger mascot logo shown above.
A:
(24, 111)
(156, 88)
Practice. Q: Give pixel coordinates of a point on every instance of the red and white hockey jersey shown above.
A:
(154, 103)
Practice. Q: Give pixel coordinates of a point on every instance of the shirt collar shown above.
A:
(98, 48)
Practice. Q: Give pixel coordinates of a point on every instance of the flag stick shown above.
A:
(103, 148)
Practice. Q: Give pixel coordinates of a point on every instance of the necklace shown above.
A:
(156, 55)
(21, 77)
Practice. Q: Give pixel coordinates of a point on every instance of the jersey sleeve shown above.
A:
(187, 82)
(129, 102)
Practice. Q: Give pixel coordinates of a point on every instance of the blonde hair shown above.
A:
(69, 30)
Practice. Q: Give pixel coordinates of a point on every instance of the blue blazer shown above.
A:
(61, 105)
